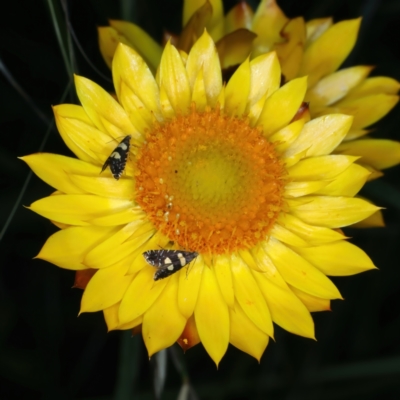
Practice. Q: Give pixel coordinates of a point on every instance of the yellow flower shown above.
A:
(236, 174)
(316, 48)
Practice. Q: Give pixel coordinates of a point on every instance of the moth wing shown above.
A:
(152, 258)
(106, 164)
(163, 272)
(189, 256)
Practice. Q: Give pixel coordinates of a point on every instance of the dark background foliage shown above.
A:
(46, 352)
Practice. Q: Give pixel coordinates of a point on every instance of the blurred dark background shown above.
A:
(46, 352)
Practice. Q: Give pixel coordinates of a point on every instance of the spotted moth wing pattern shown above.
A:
(168, 262)
(118, 157)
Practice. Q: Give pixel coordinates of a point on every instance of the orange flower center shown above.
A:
(210, 182)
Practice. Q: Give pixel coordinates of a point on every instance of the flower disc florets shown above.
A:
(210, 182)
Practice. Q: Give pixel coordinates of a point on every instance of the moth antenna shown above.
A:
(120, 137)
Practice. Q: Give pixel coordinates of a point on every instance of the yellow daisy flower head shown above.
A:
(235, 177)
(316, 48)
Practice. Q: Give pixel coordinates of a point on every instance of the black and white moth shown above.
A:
(168, 262)
(118, 157)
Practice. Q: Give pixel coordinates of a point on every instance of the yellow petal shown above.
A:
(222, 268)
(189, 285)
(375, 85)
(215, 24)
(147, 47)
(184, 56)
(249, 260)
(267, 266)
(298, 189)
(327, 53)
(268, 22)
(245, 335)
(254, 111)
(166, 107)
(105, 112)
(111, 318)
(379, 153)
(293, 159)
(106, 288)
(298, 272)
(239, 16)
(194, 27)
(318, 168)
(284, 138)
(249, 296)
(213, 326)
(68, 248)
(366, 110)
(199, 93)
(314, 235)
(221, 99)
(294, 33)
(352, 259)
(119, 218)
(316, 27)
(282, 105)
(102, 186)
(203, 57)
(141, 117)
(141, 294)
(337, 85)
(118, 246)
(312, 303)
(56, 170)
(189, 8)
(355, 134)
(265, 77)
(291, 66)
(108, 42)
(348, 183)
(174, 79)
(79, 133)
(374, 221)
(374, 173)
(78, 209)
(237, 90)
(162, 322)
(286, 236)
(235, 47)
(331, 212)
(286, 309)
(321, 135)
(136, 88)
(290, 52)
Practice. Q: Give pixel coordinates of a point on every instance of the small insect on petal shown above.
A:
(118, 157)
(168, 261)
